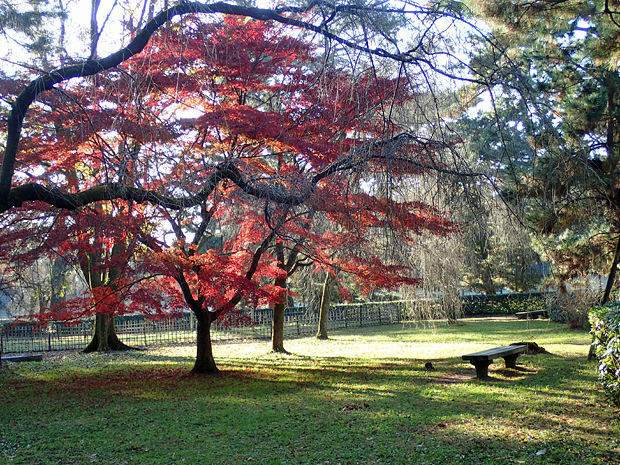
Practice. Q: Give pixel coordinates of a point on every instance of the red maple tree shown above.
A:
(240, 138)
(265, 106)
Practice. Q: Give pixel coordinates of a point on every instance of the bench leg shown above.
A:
(482, 369)
(511, 360)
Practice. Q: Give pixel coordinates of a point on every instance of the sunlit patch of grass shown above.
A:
(361, 397)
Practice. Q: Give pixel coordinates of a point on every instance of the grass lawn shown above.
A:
(361, 397)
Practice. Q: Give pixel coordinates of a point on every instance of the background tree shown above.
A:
(501, 250)
(563, 90)
(24, 24)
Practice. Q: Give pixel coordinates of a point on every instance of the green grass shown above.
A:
(360, 397)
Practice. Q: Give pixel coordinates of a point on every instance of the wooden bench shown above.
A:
(482, 360)
(531, 315)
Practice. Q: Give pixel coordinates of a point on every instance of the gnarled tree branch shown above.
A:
(14, 196)
(297, 192)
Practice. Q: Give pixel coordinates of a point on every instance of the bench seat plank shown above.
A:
(482, 360)
(531, 315)
(492, 354)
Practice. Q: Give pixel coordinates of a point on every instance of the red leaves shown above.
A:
(241, 120)
(371, 273)
(200, 95)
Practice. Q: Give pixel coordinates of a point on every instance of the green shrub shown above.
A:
(605, 321)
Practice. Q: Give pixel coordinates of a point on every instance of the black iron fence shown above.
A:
(137, 330)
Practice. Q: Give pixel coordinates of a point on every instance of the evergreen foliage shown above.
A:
(504, 304)
(605, 322)
(555, 117)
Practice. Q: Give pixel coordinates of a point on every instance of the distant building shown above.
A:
(5, 305)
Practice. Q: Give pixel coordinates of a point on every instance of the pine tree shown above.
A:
(559, 76)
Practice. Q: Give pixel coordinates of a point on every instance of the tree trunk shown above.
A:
(324, 311)
(277, 330)
(611, 168)
(452, 315)
(104, 336)
(611, 277)
(277, 326)
(205, 363)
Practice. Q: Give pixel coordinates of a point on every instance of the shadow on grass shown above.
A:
(318, 409)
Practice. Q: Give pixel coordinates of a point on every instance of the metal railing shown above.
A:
(136, 330)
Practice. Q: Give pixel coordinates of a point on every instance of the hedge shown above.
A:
(605, 321)
(504, 304)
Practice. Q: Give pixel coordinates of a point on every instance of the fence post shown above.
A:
(49, 337)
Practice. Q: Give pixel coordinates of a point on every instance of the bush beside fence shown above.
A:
(605, 321)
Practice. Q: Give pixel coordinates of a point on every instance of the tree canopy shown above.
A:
(175, 172)
(322, 18)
